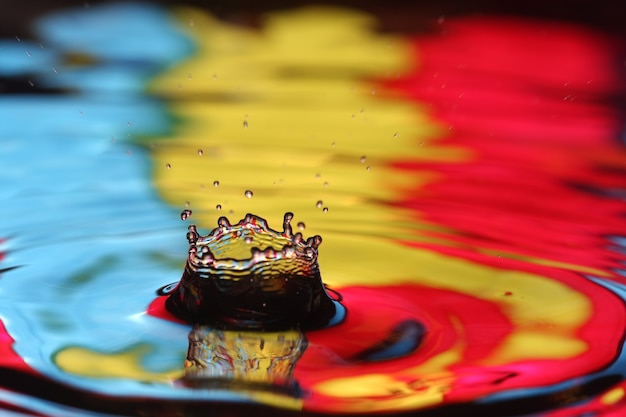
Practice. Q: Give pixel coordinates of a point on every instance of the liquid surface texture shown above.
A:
(468, 183)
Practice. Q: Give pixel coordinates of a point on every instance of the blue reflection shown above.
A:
(84, 224)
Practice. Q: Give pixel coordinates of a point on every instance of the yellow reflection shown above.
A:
(301, 88)
(380, 392)
(125, 364)
(612, 396)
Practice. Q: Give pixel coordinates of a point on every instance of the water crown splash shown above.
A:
(248, 276)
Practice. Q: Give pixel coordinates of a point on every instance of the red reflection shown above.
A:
(529, 101)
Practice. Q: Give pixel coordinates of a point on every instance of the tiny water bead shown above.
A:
(200, 152)
(325, 209)
(218, 207)
(168, 166)
(301, 225)
(216, 183)
(185, 214)
(245, 124)
(249, 276)
(319, 204)
(363, 159)
(248, 193)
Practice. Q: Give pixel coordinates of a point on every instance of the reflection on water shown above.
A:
(467, 184)
(243, 359)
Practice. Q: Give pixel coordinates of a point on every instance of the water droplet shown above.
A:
(17, 38)
(187, 203)
(216, 183)
(28, 54)
(325, 209)
(301, 225)
(325, 183)
(363, 159)
(318, 175)
(55, 70)
(395, 135)
(200, 152)
(248, 193)
(368, 168)
(218, 207)
(192, 234)
(316, 241)
(245, 124)
(168, 166)
(333, 144)
(184, 215)
(319, 204)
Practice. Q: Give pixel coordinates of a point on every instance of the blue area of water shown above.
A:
(82, 221)
(19, 57)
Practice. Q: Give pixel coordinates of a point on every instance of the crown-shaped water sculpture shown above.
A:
(248, 276)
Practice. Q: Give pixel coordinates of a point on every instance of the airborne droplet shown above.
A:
(301, 225)
(168, 166)
(200, 152)
(245, 124)
(363, 159)
(184, 215)
(218, 207)
(216, 183)
(248, 193)
(319, 204)
(325, 209)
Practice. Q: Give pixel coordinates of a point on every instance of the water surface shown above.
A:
(470, 180)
